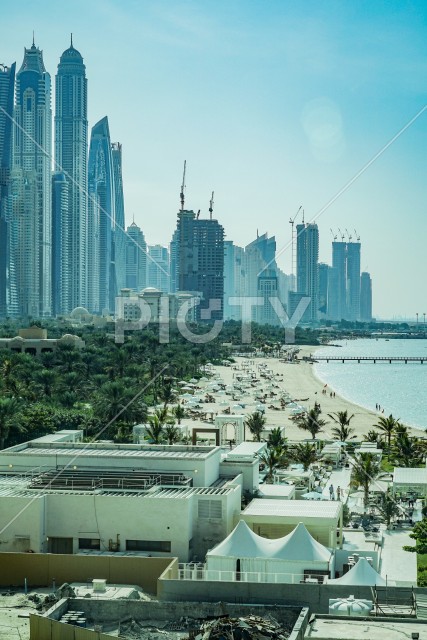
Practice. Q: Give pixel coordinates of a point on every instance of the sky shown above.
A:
(274, 104)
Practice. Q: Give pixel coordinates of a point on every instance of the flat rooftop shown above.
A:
(345, 628)
(415, 475)
(33, 448)
(318, 509)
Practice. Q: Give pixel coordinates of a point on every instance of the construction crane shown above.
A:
(292, 222)
(341, 234)
(181, 195)
(198, 214)
(348, 235)
(334, 236)
(357, 236)
(211, 204)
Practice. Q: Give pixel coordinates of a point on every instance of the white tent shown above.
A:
(279, 560)
(361, 574)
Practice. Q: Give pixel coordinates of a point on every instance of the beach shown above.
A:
(302, 385)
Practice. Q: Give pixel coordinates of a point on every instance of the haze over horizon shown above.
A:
(273, 105)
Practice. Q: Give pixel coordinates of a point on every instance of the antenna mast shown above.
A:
(181, 195)
(292, 222)
(211, 204)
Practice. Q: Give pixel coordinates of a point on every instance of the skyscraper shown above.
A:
(365, 297)
(61, 244)
(323, 288)
(307, 267)
(201, 262)
(261, 277)
(71, 158)
(158, 268)
(32, 200)
(338, 293)
(119, 234)
(7, 88)
(353, 281)
(136, 258)
(101, 191)
(174, 261)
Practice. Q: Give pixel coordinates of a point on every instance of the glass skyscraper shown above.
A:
(71, 159)
(119, 233)
(7, 88)
(101, 192)
(31, 208)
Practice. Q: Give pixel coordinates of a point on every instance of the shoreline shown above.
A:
(414, 430)
(303, 385)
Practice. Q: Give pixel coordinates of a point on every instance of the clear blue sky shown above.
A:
(274, 104)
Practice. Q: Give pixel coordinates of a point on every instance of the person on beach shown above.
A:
(331, 492)
(338, 493)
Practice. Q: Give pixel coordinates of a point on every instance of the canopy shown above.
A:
(362, 574)
(242, 542)
(298, 545)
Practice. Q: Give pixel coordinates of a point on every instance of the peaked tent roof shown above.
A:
(297, 545)
(361, 574)
(300, 545)
(242, 542)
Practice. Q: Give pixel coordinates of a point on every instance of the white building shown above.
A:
(59, 495)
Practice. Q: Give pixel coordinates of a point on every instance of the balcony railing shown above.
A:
(195, 571)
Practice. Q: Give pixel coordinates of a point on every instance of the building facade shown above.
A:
(102, 211)
(71, 147)
(158, 268)
(365, 297)
(119, 233)
(308, 268)
(7, 286)
(31, 211)
(136, 258)
(201, 262)
(61, 243)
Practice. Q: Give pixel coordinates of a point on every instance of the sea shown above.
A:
(399, 388)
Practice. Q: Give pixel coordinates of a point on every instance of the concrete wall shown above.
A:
(314, 596)
(130, 517)
(22, 523)
(249, 471)
(42, 569)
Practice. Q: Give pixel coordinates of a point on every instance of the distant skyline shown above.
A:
(273, 105)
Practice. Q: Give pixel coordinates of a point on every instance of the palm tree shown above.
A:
(155, 431)
(365, 470)
(8, 409)
(304, 453)
(270, 458)
(388, 508)
(407, 451)
(388, 427)
(343, 431)
(172, 434)
(373, 436)
(275, 438)
(256, 423)
(179, 413)
(311, 422)
(46, 379)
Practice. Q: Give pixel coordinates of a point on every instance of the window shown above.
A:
(148, 545)
(89, 543)
(210, 509)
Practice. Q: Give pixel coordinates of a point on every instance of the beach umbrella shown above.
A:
(187, 396)
(237, 407)
(223, 403)
(193, 381)
(313, 495)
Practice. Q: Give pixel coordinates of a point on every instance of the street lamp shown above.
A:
(417, 321)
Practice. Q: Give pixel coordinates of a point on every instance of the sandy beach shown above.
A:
(300, 382)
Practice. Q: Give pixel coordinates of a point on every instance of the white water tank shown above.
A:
(99, 585)
(350, 606)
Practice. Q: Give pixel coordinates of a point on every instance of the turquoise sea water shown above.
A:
(398, 387)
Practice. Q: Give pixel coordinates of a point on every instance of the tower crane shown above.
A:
(292, 222)
(341, 234)
(211, 204)
(357, 236)
(348, 235)
(181, 195)
(334, 235)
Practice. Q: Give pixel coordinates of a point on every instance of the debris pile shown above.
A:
(250, 627)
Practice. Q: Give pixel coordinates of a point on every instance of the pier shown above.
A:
(374, 359)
